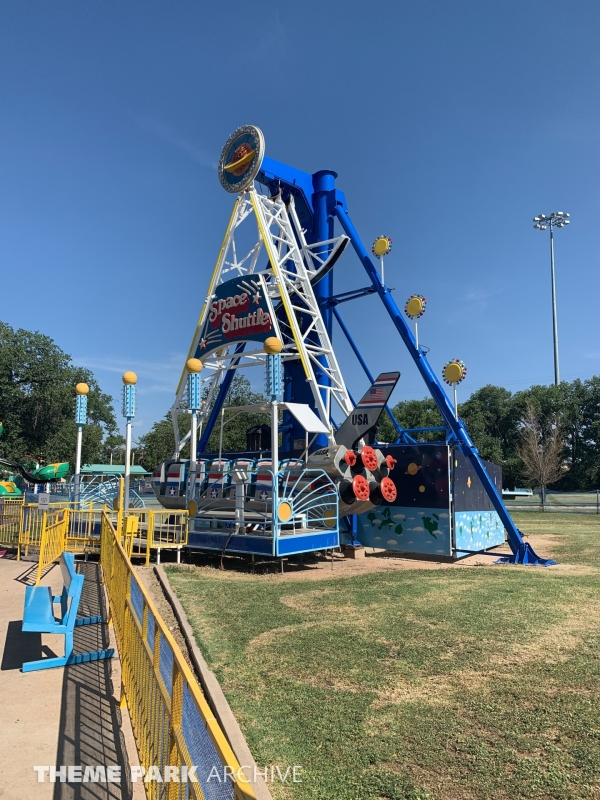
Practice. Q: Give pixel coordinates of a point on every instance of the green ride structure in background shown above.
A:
(50, 472)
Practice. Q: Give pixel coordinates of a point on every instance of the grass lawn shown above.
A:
(478, 682)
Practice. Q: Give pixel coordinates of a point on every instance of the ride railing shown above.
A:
(155, 530)
(11, 519)
(83, 535)
(256, 501)
(22, 527)
(172, 722)
(167, 529)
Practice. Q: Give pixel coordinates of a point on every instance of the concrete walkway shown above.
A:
(63, 716)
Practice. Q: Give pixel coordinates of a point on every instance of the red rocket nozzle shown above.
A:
(360, 487)
(391, 462)
(369, 458)
(350, 457)
(388, 489)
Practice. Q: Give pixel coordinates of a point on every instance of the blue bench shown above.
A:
(38, 617)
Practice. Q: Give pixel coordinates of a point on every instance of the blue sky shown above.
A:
(450, 125)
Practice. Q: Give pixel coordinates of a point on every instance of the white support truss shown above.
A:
(293, 264)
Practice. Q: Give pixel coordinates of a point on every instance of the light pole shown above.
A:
(129, 381)
(81, 390)
(557, 219)
(194, 366)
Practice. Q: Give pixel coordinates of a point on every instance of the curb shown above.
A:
(213, 692)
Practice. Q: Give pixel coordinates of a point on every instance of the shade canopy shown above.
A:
(113, 469)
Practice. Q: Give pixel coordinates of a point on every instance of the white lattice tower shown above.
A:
(288, 282)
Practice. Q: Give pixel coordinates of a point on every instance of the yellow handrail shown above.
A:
(54, 532)
(171, 719)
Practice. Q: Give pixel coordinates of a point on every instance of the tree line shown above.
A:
(37, 403)
(559, 423)
(544, 435)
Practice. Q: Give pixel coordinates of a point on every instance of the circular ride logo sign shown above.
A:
(241, 158)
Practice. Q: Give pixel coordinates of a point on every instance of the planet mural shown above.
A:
(241, 158)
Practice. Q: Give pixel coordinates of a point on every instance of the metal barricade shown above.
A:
(83, 535)
(169, 529)
(11, 519)
(31, 528)
(171, 719)
(55, 525)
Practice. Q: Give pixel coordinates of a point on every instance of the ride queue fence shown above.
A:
(172, 722)
(557, 502)
(22, 526)
(11, 521)
(55, 526)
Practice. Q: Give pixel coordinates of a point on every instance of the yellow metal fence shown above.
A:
(55, 526)
(171, 719)
(22, 526)
(11, 521)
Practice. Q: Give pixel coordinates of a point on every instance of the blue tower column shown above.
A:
(323, 227)
(296, 388)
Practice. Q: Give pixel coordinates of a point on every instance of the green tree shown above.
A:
(541, 449)
(37, 401)
(493, 418)
(113, 450)
(411, 414)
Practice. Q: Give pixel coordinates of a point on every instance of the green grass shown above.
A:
(577, 536)
(450, 683)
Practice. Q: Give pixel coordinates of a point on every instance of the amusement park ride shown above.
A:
(270, 303)
(50, 472)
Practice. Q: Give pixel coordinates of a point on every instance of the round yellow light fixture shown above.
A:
(329, 518)
(82, 388)
(193, 365)
(129, 378)
(272, 346)
(284, 511)
(381, 246)
(454, 371)
(415, 306)
(192, 508)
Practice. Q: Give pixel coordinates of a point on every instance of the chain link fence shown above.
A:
(563, 502)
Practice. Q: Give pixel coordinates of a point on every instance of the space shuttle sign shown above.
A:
(239, 311)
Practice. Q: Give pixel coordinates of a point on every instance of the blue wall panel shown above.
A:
(478, 530)
(407, 530)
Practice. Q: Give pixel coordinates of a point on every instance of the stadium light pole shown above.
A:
(558, 219)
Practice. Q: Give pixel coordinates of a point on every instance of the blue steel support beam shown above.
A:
(522, 551)
(214, 414)
(399, 430)
(323, 201)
